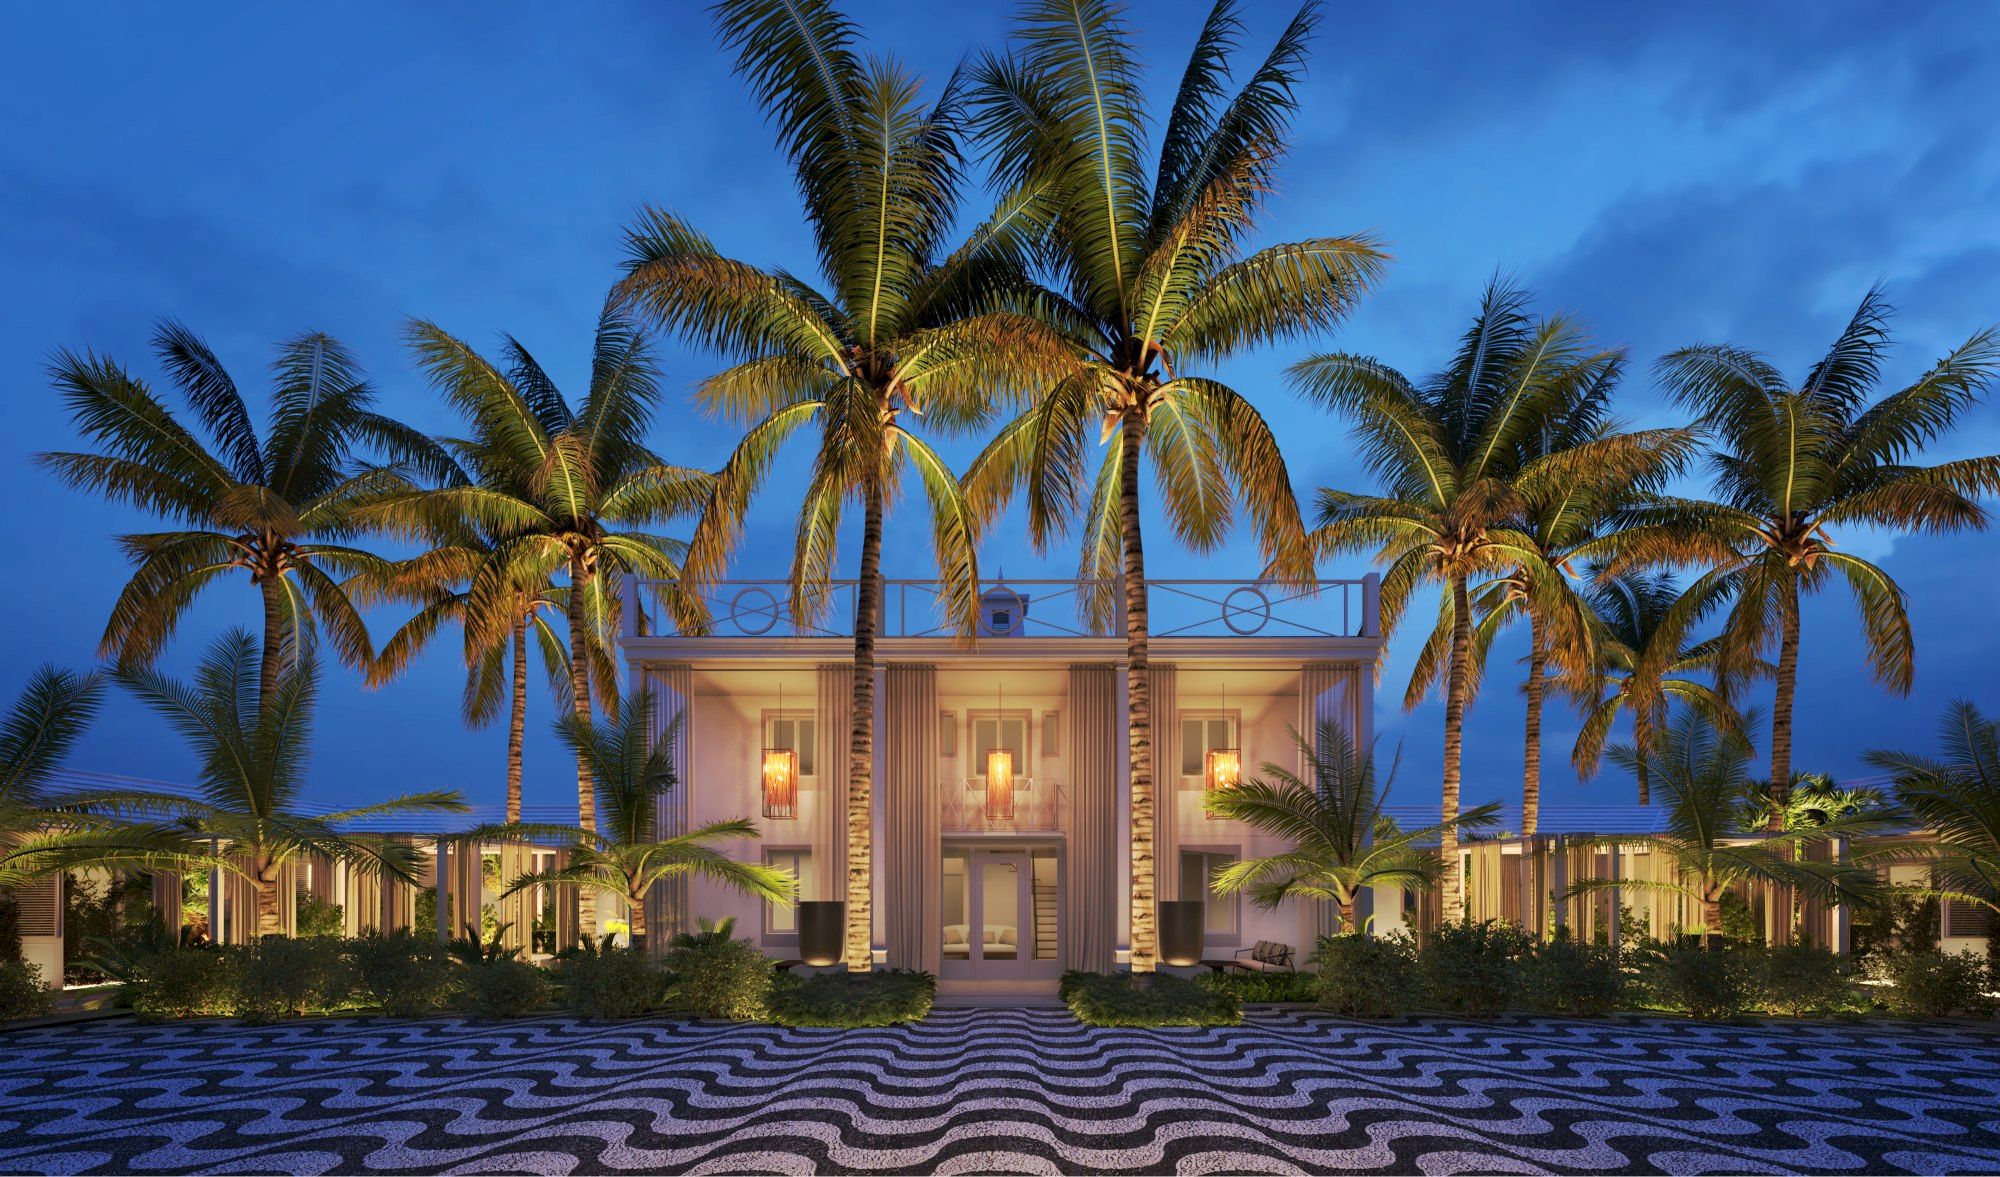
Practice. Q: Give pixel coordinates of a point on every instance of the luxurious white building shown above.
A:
(997, 872)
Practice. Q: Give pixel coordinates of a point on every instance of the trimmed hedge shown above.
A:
(1264, 987)
(884, 997)
(1120, 999)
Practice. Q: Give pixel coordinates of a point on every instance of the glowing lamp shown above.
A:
(999, 785)
(781, 783)
(1225, 768)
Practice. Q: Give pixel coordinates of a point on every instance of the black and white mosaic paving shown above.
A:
(1002, 1090)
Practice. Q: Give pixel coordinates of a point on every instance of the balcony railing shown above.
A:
(1041, 806)
(1034, 608)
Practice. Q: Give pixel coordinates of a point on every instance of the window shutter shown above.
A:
(1192, 748)
(947, 733)
(1966, 919)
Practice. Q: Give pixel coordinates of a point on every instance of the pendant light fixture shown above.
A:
(1223, 768)
(781, 774)
(999, 765)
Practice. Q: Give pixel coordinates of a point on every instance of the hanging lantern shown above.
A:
(781, 783)
(999, 785)
(1224, 768)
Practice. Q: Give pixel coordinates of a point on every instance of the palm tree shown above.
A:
(1814, 799)
(495, 650)
(1462, 456)
(627, 855)
(1794, 465)
(254, 750)
(273, 508)
(1704, 772)
(1147, 280)
(1341, 841)
(1645, 662)
(1957, 799)
(555, 489)
(901, 331)
(45, 831)
(1569, 520)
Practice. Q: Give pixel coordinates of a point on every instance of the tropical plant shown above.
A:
(1341, 841)
(627, 855)
(1792, 466)
(1957, 799)
(903, 329)
(1568, 520)
(1706, 847)
(253, 751)
(274, 508)
(1461, 456)
(1147, 282)
(553, 488)
(1645, 661)
(44, 830)
(1814, 799)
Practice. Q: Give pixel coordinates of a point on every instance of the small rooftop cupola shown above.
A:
(1003, 613)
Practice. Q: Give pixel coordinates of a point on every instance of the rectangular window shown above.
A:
(794, 731)
(1202, 734)
(991, 731)
(782, 919)
(947, 733)
(1198, 871)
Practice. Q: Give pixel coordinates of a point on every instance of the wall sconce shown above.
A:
(781, 783)
(999, 785)
(1224, 768)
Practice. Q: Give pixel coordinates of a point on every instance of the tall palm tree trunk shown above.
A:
(1531, 768)
(1781, 706)
(861, 743)
(1139, 702)
(1452, 898)
(270, 663)
(270, 921)
(517, 719)
(579, 688)
(1642, 743)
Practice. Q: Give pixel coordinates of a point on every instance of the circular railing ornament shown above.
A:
(1249, 615)
(745, 613)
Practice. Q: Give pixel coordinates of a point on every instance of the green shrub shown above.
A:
(286, 978)
(506, 988)
(1936, 984)
(186, 983)
(1565, 975)
(1715, 984)
(22, 991)
(1803, 980)
(313, 916)
(1253, 987)
(848, 1000)
(711, 974)
(404, 973)
(1114, 999)
(1365, 976)
(607, 982)
(1473, 968)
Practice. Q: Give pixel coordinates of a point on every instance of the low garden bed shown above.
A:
(1157, 999)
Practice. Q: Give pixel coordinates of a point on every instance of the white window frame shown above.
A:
(808, 750)
(1234, 903)
(768, 933)
(1234, 736)
(976, 764)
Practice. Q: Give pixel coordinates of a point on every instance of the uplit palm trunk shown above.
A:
(517, 720)
(635, 914)
(1531, 768)
(579, 687)
(861, 743)
(1139, 701)
(1781, 706)
(270, 663)
(1347, 915)
(1711, 918)
(270, 920)
(1452, 898)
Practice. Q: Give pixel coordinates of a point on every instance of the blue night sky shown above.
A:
(1673, 172)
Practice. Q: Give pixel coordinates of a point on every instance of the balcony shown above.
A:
(1041, 806)
(1030, 608)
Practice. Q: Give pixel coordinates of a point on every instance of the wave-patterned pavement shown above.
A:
(1002, 1090)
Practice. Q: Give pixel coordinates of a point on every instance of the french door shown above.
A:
(1001, 911)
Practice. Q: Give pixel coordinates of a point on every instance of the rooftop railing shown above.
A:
(1018, 608)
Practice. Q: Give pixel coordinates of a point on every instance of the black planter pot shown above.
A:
(1180, 932)
(822, 930)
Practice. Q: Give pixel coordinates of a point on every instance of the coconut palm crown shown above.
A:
(274, 508)
(1341, 841)
(1957, 798)
(1145, 273)
(1795, 464)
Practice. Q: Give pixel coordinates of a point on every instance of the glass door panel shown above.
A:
(1001, 881)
